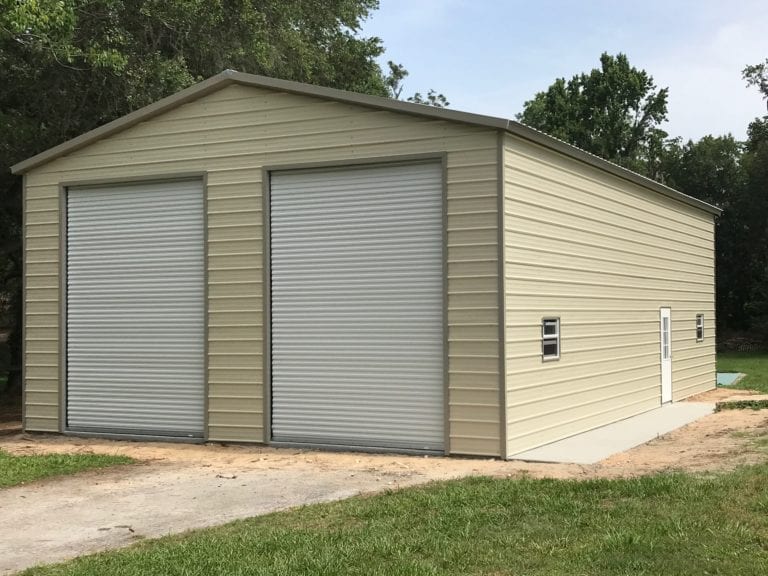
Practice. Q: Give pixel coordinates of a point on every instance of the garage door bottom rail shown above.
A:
(352, 446)
(141, 435)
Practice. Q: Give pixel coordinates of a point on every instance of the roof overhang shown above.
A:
(232, 77)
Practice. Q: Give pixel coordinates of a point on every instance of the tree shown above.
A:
(613, 112)
(757, 75)
(711, 170)
(733, 175)
(431, 99)
(394, 82)
(755, 225)
(755, 209)
(68, 66)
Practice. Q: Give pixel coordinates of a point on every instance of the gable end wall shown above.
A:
(230, 135)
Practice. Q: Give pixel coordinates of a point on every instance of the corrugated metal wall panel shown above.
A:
(604, 255)
(135, 308)
(357, 306)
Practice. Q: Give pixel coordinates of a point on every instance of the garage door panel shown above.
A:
(135, 302)
(357, 309)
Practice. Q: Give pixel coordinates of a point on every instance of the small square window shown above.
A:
(550, 338)
(699, 327)
(550, 348)
(550, 327)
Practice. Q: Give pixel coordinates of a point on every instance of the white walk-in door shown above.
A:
(135, 309)
(665, 321)
(357, 306)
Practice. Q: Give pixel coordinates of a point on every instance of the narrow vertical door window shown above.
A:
(665, 337)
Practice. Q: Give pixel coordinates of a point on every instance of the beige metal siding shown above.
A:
(41, 309)
(231, 134)
(604, 255)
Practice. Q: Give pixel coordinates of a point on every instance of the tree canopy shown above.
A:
(734, 176)
(757, 75)
(394, 82)
(613, 112)
(711, 169)
(754, 213)
(68, 66)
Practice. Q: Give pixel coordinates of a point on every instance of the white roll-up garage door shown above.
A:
(357, 306)
(135, 309)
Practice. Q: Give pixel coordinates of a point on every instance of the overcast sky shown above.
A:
(490, 56)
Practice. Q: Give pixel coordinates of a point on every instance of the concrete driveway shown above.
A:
(64, 518)
(185, 487)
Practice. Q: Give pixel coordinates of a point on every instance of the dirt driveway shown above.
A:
(179, 487)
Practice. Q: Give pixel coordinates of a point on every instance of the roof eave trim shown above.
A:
(380, 102)
(233, 77)
(528, 133)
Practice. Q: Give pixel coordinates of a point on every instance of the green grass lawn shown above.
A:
(753, 364)
(664, 524)
(20, 469)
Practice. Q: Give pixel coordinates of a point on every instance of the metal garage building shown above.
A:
(258, 260)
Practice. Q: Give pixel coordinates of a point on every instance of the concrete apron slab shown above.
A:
(600, 443)
(729, 378)
(52, 521)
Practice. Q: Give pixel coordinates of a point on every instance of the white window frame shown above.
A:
(699, 327)
(549, 338)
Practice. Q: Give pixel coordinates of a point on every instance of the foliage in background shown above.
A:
(755, 165)
(734, 176)
(757, 75)
(68, 66)
(613, 112)
(711, 169)
(394, 81)
(750, 215)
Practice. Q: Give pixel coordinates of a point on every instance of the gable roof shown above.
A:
(229, 77)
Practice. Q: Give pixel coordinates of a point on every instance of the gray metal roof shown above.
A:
(233, 77)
